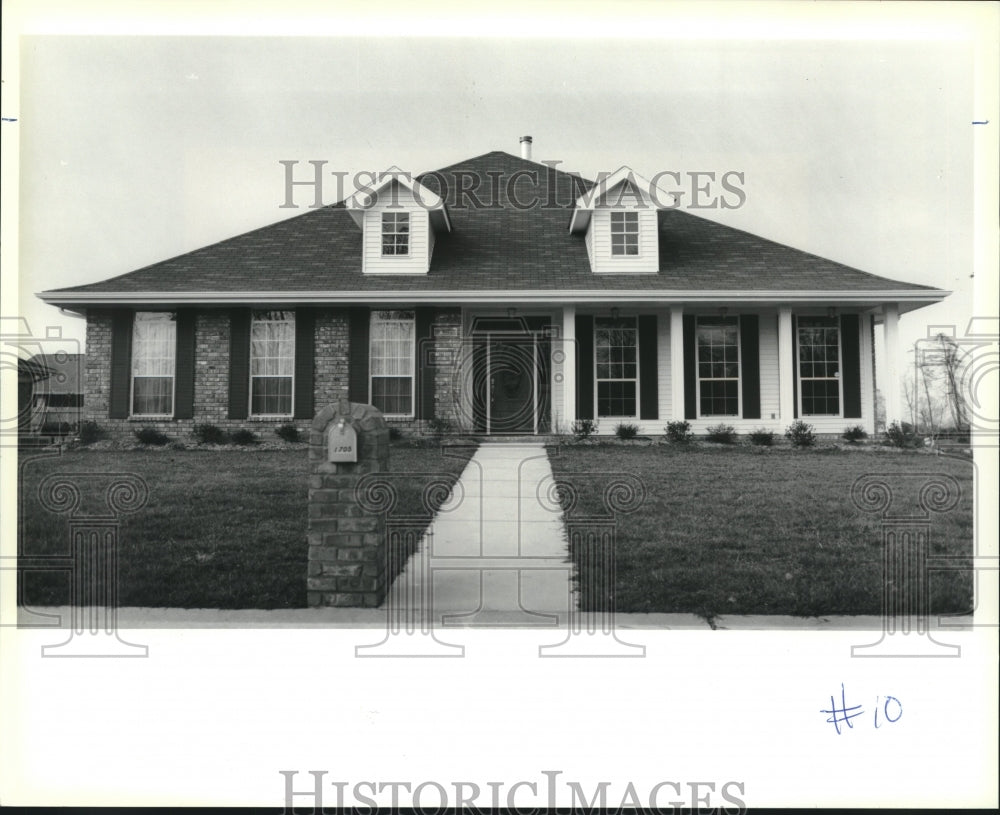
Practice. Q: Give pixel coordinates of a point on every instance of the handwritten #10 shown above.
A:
(891, 710)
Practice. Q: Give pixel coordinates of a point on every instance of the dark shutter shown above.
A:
(750, 365)
(184, 365)
(850, 350)
(121, 363)
(424, 408)
(690, 369)
(239, 363)
(795, 367)
(584, 366)
(357, 355)
(649, 407)
(305, 362)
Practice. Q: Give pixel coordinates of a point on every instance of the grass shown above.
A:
(222, 529)
(759, 531)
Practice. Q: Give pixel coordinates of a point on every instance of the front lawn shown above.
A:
(742, 530)
(222, 529)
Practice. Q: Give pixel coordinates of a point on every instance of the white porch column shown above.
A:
(890, 382)
(676, 363)
(568, 368)
(786, 363)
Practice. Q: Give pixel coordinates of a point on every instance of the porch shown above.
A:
(529, 370)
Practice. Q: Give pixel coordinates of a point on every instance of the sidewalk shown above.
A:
(496, 553)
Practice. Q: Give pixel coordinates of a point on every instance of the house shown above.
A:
(58, 405)
(31, 376)
(497, 295)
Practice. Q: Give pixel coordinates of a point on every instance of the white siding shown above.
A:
(599, 234)
(768, 322)
(867, 375)
(769, 404)
(663, 340)
(418, 260)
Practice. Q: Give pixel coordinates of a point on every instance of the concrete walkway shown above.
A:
(496, 552)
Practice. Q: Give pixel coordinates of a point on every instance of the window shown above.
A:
(272, 362)
(718, 366)
(819, 366)
(616, 370)
(624, 233)
(154, 343)
(392, 361)
(395, 233)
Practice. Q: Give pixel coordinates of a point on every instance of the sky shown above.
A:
(139, 148)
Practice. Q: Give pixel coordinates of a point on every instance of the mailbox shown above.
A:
(341, 443)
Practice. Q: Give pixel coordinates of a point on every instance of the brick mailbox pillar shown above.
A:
(347, 554)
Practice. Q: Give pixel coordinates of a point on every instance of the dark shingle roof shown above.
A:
(498, 248)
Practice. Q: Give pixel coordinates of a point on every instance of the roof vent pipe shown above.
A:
(526, 148)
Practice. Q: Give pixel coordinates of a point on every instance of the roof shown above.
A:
(501, 246)
(65, 371)
(31, 370)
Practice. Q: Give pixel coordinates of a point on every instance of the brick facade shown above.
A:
(211, 368)
(97, 371)
(347, 563)
(331, 338)
(211, 375)
(447, 332)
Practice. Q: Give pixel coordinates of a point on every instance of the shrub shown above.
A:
(678, 432)
(721, 434)
(762, 437)
(56, 429)
(150, 435)
(209, 434)
(288, 432)
(90, 432)
(856, 433)
(439, 426)
(800, 434)
(244, 436)
(903, 434)
(627, 431)
(395, 434)
(584, 428)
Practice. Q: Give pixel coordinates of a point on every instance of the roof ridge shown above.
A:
(508, 155)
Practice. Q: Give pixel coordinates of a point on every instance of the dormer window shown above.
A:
(395, 233)
(624, 233)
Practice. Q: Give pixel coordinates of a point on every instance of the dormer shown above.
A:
(398, 218)
(617, 217)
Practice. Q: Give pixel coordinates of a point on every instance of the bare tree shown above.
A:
(911, 396)
(927, 377)
(945, 363)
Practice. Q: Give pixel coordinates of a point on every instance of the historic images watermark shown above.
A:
(963, 368)
(497, 189)
(31, 357)
(498, 567)
(93, 503)
(499, 559)
(314, 792)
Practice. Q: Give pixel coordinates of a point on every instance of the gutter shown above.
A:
(663, 296)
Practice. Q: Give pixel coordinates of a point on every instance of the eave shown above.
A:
(907, 299)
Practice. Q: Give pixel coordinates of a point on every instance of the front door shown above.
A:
(513, 370)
